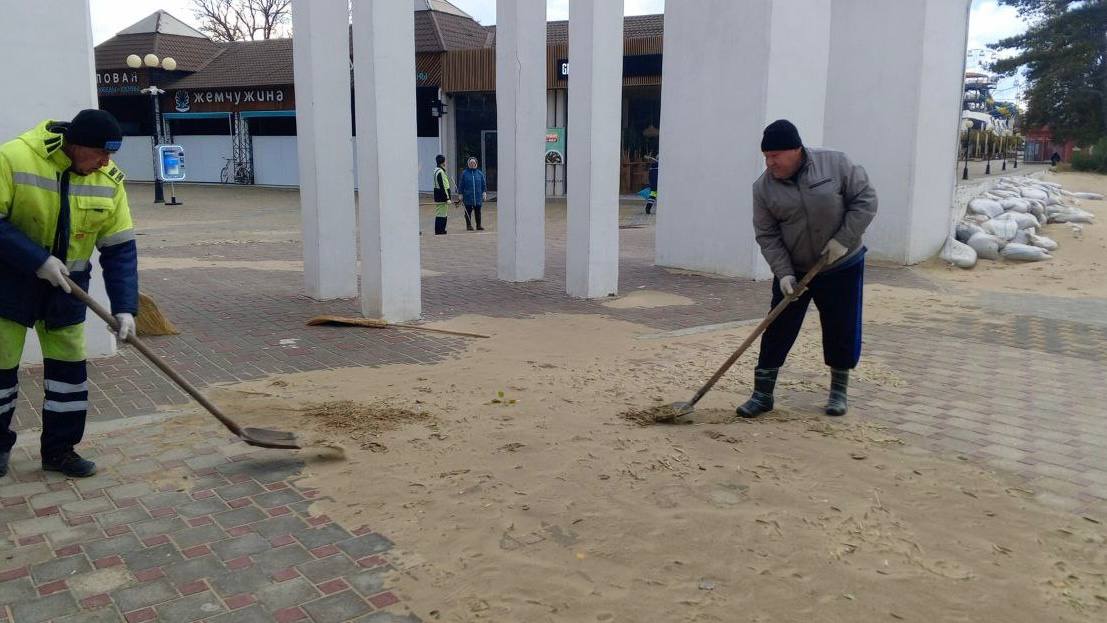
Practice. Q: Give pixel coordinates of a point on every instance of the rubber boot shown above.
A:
(764, 383)
(69, 463)
(836, 404)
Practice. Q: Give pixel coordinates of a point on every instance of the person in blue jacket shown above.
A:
(473, 192)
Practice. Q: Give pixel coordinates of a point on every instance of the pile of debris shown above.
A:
(1006, 222)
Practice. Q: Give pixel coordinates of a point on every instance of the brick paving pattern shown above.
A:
(1017, 386)
(230, 538)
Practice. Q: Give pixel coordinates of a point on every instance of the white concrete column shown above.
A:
(63, 82)
(595, 107)
(730, 68)
(388, 200)
(897, 113)
(520, 133)
(323, 126)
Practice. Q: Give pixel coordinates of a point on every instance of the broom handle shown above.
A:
(776, 311)
(446, 331)
(141, 347)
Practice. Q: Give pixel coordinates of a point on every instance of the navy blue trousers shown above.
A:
(837, 295)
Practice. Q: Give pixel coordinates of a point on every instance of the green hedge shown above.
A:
(1095, 161)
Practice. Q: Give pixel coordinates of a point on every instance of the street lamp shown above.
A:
(1003, 148)
(987, 154)
(966, 125)
(134, 61)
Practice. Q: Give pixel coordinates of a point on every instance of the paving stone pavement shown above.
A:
(227, 535)
(218, 532)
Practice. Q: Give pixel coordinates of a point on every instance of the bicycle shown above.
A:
(235, 172)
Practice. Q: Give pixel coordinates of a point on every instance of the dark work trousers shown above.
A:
(439, 225)
(837, 295)
(471, 211)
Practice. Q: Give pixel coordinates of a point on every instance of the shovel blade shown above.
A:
(266, 438)
(675, 410)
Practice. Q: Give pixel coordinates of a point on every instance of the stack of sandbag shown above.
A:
(1006, 221)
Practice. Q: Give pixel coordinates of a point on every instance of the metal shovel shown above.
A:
(678, 409)
(260, 437)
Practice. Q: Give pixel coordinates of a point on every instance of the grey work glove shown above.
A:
(834, 251)
(54, 271)
(788, 285)
(126, 326)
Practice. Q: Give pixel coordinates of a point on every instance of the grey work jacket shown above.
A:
(795, 218)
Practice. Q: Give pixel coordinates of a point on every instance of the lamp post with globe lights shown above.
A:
(966, 125)
(152, 62)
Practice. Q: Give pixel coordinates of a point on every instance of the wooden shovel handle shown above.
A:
(141, 347)
(776, 311)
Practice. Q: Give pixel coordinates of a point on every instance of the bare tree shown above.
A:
(242, 20)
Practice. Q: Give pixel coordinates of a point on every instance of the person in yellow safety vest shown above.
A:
(442, 195)
(61, 198)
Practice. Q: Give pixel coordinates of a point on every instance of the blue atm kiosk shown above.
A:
(171, 168)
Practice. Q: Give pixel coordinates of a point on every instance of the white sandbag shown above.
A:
(979, 219)
(1070, 215)
(1017, 205)
(959, 254)
(1049, 184)
(988, 207)
(1005, 193)
(1022, 237)
(965, 231)
(1004, 228)
(1091, 196)
(1024, 253)
(1043, 242)
(1025, 221)
(986, 246)
(1034, 193)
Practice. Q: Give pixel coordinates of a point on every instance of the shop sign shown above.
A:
(117, 83)
(633, 66)
(555, 146)
(183, 100)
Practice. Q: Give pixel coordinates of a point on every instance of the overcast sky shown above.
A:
(989, 22)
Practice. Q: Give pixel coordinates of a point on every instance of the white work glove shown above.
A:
(54, 271)
(126, 326)
(484, 196)
(834, 251)
(788, 285)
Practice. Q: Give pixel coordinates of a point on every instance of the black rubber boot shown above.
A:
(836, 404)
(69, 463)
(764, 383)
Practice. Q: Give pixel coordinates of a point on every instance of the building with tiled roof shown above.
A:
(223, 101)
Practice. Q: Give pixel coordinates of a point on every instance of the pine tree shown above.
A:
(1065, 54)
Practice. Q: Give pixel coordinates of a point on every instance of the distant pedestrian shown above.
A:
(473, 193)
(442, 196)
(652, 199)
(1055, 158)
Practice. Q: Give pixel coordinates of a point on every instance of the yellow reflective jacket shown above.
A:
(46, 209)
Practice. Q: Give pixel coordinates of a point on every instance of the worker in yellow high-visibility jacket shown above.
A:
(61, 198)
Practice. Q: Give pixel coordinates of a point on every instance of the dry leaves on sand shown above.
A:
(363, 422)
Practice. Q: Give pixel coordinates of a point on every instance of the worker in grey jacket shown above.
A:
(810, 202)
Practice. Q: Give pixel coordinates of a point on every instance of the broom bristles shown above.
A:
(150, 320)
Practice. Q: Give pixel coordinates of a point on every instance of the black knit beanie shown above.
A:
(780, 136)
(95, 128)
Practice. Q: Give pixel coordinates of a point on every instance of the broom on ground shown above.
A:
(373, 323)
(150, 320)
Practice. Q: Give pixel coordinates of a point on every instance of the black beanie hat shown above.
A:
(781, 135)
(439, 159)
(95, 128)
